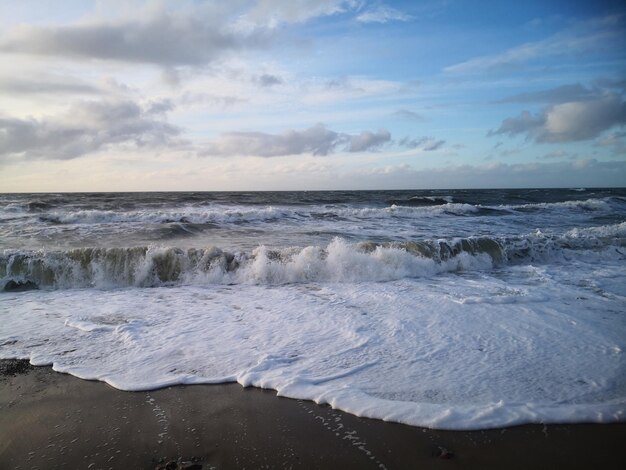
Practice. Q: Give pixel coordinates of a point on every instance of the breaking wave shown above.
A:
(340, 261)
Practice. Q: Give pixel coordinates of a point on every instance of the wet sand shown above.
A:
(50, 420)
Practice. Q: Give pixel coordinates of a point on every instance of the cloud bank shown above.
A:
(177, 36)
(576, 173)
(85, 128)
(162, 38)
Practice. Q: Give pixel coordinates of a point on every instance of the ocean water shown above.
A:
(448, 309)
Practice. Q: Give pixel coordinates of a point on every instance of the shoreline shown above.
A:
(54, 420)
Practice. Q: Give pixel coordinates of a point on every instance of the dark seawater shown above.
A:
(247, 219)
(458, 309)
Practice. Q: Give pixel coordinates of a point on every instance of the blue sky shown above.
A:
(326, 94)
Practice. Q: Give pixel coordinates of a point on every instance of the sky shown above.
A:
(311, 94)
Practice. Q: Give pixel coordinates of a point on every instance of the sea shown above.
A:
(448, 309)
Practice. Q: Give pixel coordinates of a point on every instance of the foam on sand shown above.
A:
(436, 353)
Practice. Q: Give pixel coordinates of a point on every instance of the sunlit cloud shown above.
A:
(568, 122)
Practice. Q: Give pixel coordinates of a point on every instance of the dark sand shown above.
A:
(50, 420)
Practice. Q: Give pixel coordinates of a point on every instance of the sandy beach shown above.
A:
(51, 420)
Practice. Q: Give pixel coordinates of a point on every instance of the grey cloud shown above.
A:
(557, 154)
(165, 39)
(524, 123)
(196, 34)
(562, 94)
(160, 107)
(427, 144)
(316, 140)
(86, 128)
(568, 122)
(267, 80)
(44, 85)
(171, 76)
(339, 84)
(406, 114)
(610, 83)
(195, 99)
(367, 140)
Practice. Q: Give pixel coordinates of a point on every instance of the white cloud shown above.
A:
(274, 12)
(382, 14)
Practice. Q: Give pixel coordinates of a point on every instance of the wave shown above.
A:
(340, 261)
(417, 207)
(240, 215)
(601, 204)
(411, 208)
(420, 201)
(155, 266)
(193, 215)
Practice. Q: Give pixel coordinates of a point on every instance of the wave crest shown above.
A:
(340, 261)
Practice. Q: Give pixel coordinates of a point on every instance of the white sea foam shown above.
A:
(441, 353)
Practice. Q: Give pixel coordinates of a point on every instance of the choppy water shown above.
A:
(450, 309)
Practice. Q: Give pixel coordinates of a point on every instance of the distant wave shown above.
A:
(420, 201)
(588, 204)
(417, 207)
(196, 215)
(340, 261)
